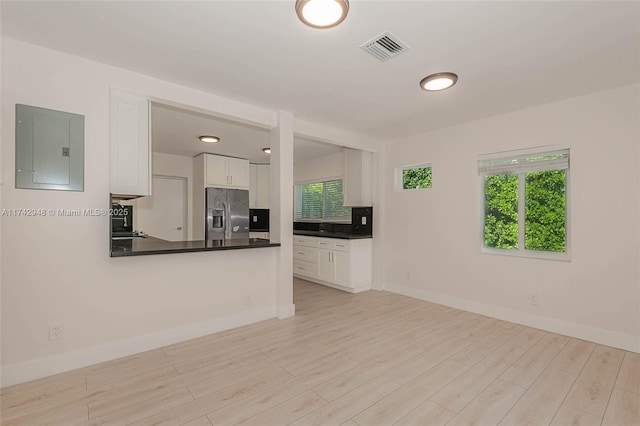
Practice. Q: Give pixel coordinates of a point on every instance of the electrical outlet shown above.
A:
(247, 300)
(56, 331)
(533, 299)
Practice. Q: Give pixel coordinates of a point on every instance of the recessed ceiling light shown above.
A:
(266, 150)
(209, 139)
(322, 13)
(438, 81)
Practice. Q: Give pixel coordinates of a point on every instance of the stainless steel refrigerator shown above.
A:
(227, 214)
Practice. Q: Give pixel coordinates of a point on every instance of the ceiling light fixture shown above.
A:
(438, 81)
(266, 150)
(322, 13)
(209, 139)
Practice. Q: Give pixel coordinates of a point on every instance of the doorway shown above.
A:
(164, 214)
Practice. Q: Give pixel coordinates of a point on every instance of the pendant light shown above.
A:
(322, 13)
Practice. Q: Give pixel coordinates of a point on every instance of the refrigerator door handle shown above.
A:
(209, 219)
(224, 220)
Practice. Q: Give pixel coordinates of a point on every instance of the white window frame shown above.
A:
(399, 179)
(322, 219)
(521, 251)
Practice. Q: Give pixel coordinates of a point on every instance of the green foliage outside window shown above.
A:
(419, 177)
(544, 205)
(501, 211)
(545, 209)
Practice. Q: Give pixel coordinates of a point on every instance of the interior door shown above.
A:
(163, 215)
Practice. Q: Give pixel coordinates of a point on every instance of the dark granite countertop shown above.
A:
(151, 245)
(325, 234)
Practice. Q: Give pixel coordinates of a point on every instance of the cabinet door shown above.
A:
(238, 173)
(129, 145)
(253, 187)
(357, 185)
(342, 268)
(216, 171)
(263, 177)
(325, 265)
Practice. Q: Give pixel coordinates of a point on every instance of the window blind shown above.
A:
(551, 160)
(320, 200)
(309, 199)
(333, 200)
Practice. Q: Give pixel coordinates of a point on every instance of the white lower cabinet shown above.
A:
(341, 268)
(342, 264)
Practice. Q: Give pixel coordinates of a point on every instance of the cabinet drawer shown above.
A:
(304, 241)
(302, 267)
(309, 254)
(341, 245)
(325, 243)
(333, 244)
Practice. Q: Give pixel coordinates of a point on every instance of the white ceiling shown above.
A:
(508, 55)
(175, 131)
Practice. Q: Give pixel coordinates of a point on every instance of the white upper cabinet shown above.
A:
(259, 186)
(225, 172)
(253, 182)
(216, 173)
(239, 173)
(263, 186)
(129, 145)
(358, 177)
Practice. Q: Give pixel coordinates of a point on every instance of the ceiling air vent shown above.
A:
(384, 46)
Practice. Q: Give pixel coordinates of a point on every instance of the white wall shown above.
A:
(431, 237)
(58, 269)
(319, 168)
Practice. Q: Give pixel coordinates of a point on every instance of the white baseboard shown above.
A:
(286, 311)
(356, 289)
(580, 331)
(34, 369)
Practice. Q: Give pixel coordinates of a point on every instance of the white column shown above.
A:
(281, 215)
(380, 181)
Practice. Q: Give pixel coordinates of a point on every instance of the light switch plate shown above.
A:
(364, 220)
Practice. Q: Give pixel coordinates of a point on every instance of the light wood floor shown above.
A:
(373, 358)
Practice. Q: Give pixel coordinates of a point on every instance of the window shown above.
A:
(414, 177)
(524, 209)
(320, 200)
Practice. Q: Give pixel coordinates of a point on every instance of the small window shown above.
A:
(524, 210)
(414, 177)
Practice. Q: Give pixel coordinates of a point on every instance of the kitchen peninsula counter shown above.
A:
(151, 245)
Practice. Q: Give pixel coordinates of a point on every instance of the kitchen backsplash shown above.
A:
(361, 224)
